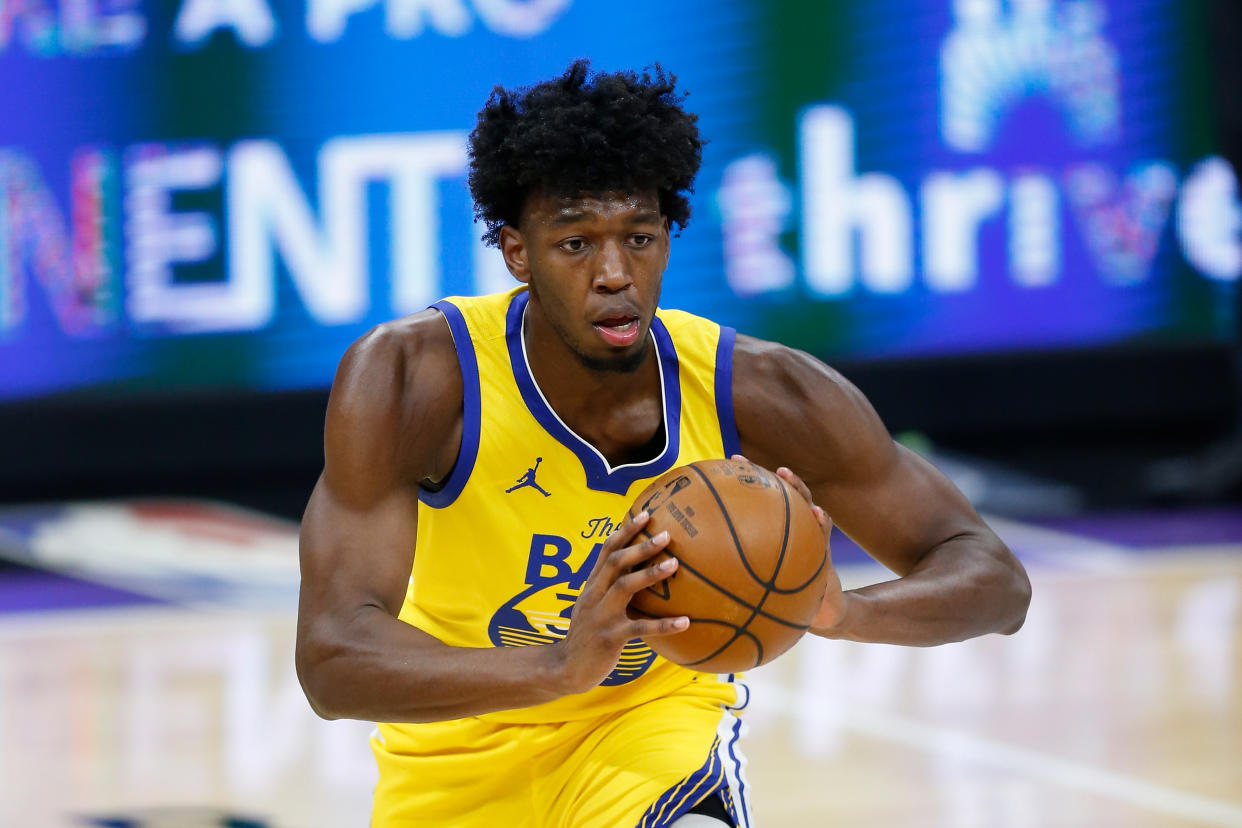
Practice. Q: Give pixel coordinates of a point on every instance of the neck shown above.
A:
(620, 413)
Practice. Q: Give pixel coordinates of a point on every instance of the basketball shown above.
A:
(752, 564)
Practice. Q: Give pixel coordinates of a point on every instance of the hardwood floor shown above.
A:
(1119, 704)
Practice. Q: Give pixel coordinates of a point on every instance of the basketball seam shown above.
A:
(737, 544)
(769, 584)
(766, 584)
(738, 631)
(755, 609)
(767, 587)
(681, 564)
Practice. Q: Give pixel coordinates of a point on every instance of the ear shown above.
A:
(513, 247)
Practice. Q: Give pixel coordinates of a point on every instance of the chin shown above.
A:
(624, 363)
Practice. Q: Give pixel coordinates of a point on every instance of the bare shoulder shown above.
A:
(768, 373)
(395, 406)
(792, 409)
(394, 356)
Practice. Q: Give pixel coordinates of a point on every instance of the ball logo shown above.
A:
(661, 589)
(748, 474)
(543, 611)
(754, 480)
(665, 492)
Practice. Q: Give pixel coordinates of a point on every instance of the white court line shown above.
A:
(1196, 552)
(961, 746)
(143, 619)
(1064, 550)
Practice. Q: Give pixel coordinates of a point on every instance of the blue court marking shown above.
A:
(26, 589)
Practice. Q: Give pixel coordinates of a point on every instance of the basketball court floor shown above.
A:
(146, 679)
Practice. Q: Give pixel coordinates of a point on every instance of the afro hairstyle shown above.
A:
(583, 133)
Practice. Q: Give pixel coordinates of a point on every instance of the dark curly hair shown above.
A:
(584, 133)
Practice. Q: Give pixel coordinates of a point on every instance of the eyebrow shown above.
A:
(570, 216)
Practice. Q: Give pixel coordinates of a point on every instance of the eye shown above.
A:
(574, 245)
(641, 240)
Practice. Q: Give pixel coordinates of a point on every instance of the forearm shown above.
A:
(966, 587)
(381, 669)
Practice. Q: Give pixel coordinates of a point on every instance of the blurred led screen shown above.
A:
(226, 193)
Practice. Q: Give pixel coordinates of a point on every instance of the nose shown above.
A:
(612, 272)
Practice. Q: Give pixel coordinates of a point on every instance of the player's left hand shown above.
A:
(832, 607)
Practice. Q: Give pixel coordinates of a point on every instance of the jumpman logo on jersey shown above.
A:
(528, 479)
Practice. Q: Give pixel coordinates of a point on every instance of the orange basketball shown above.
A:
(752, 564)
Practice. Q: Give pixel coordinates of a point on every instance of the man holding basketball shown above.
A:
(437, 597)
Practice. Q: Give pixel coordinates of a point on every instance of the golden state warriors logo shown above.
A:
(541, 613)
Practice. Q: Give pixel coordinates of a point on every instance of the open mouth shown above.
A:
(618, 330)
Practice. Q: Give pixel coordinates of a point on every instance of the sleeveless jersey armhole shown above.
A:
(724, 392)
(471, 411)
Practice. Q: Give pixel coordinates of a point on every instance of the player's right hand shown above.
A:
(601, 624)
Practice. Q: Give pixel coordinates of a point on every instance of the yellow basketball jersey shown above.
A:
(505, 546)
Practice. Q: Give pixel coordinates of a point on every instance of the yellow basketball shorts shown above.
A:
(644, 767)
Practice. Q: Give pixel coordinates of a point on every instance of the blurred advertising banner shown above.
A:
(190, 552)
(226, 193)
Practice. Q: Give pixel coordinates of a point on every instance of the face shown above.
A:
(594, 265)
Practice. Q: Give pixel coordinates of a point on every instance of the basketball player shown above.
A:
(485, 622)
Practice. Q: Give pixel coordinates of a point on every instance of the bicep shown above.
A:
(898, 509)
(356, 555)
(389, 415)
(793, 410)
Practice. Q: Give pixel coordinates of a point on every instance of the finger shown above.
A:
(740, 457)
(785, 473)
(651, 627)
(607, 568)
(632, 556)
(625, 532)
(825, 523)
(639, 579)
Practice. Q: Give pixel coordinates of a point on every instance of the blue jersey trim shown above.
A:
(677, 800)
(724, 392)
(742, 817)
(600, 475)
(471, 410)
